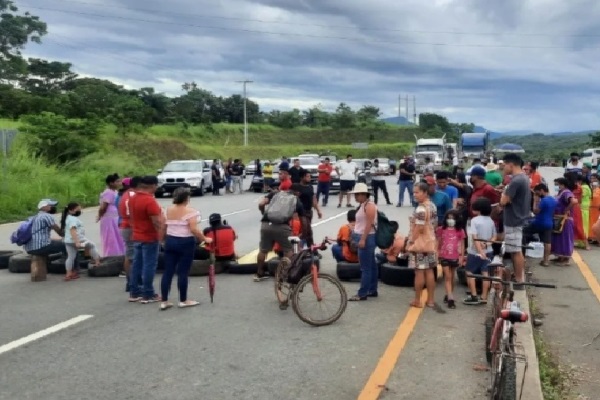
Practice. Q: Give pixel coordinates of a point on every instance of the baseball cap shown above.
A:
(478, 171)
(284, 166)
(46, 202)
(214, 218)
(126, 181)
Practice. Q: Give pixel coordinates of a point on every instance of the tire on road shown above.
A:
(200, 268)
(20, 264)
(347, 271)
(109, 266)
(57, 266)
(489, 327)
(399, 275)
(5, 256)
(235, 268)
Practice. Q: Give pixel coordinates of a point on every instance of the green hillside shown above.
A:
(548, 147)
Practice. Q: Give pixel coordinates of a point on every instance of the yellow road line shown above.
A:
(387, 362)
(587, 274)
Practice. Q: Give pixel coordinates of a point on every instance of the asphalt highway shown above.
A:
(241, 347)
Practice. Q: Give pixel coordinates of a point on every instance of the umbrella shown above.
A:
(211, 276)
(509, 147)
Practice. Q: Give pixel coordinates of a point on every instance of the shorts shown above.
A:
(513, 239)
(347, 186)
(544, 234)
(422, 261)
(275, 233)
(449, 263)
(126, 234)
(476, 264)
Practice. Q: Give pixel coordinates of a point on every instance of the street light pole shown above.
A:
(245, 112)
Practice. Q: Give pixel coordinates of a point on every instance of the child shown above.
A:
(344, 249)
(391, 254)
(451, 249)
(75, 239)
(479, 253)
(296, 226)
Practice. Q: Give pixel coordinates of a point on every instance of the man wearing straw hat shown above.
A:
(492, 175)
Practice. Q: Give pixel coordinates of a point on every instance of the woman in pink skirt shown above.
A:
(108, 216)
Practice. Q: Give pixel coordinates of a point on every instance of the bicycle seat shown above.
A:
(514, 316)
(294, 239)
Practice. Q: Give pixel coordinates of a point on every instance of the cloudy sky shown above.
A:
(506, 65)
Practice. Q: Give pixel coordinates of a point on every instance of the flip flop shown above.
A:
(416, 304)
(186, 305)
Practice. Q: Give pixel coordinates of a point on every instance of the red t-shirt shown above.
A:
(325, 177)
(285, 185)
(486, 191)
(142, 207)
(124, 209)
(223, 245)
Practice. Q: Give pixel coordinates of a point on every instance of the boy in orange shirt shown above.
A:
(344, 250)
(296, 226)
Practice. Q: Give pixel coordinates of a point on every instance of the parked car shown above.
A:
(194, 174)
(385, 163)
(363, 175)
(251, 166)
(310, 162)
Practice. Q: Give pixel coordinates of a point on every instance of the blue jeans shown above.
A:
(145, 260)
(406, 185)
(323, 188)
(179, 255)
(336, 251)
(368, 265)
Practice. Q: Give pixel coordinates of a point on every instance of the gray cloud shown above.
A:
(513, 64)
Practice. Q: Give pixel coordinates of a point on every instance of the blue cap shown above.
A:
(478, 171)
(284, 166)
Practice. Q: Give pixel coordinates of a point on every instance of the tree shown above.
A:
(429, 121)
(46, 78)
(287, 119)
(315, 117)
(458, 129)
(16, 31)
(595, 139)
(129, 113)
(344, 117)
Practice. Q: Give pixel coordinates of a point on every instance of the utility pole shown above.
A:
(414, 109)
(400, 105)
(407, 108)
(245, 112)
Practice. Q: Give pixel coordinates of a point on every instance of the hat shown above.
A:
(478, 171)
(46, 202)
(491, 167)
(284, 166)
(500, 162)
(214, 218)
(360, 188)
(126, 181)
(430, 180)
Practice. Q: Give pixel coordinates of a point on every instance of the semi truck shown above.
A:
(474, 145)
(432, 149)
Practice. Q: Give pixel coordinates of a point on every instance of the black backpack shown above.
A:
(298, 269)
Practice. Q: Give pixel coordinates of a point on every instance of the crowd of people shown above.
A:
(460, 214)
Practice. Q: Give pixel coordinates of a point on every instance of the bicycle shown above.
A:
(286, 292)
(505, 350)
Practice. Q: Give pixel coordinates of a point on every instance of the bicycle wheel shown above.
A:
(282, 288)
(319, 312)
(504, 386)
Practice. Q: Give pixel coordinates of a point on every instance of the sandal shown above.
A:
(191, 303)
(358, 298)
(165, 306)
(430, 305)
(416, 304)
(544, 263)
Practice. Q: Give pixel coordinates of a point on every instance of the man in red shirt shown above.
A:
(223, 237)
(124, 224)
(481, 188)
(146, 221)
(285, 182)
(324, 180)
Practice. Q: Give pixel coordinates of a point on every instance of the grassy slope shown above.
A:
(29, 179)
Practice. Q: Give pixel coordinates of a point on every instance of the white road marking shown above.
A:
(38, 335)
(230, 214)
(329, 219)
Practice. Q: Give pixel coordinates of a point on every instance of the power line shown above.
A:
(228, 18)
(302, 35)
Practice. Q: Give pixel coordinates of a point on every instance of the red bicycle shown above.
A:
(325, 303)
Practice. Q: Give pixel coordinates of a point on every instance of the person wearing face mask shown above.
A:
(41, 243)
(594, 208)
(451, 249)
(574, 165)
(75, 239)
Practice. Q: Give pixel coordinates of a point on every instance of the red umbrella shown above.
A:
(211, 276)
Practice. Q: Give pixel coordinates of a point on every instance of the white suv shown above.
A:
(195, 174)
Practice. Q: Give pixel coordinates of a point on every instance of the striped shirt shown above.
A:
(40, 232)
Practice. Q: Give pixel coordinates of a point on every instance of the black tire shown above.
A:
(489, 328)
(346, 271)
(200, 191)
(5, 256)
(396, 275)
(305, 285)
(57, 266)
(235, 268)
(506, 388)
(109, 266)
(84, 263)
(273, 263)
(199, 268)
(20, 264)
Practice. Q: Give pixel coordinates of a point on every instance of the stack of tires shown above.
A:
(399, 274)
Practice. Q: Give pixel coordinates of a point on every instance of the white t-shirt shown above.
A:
(347, 171)
(375, 170)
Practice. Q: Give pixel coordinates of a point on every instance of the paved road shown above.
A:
(241, 347)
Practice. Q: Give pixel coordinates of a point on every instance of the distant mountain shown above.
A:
(397, 121)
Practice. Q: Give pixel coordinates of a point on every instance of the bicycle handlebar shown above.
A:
(502, 242)
(499, 280)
